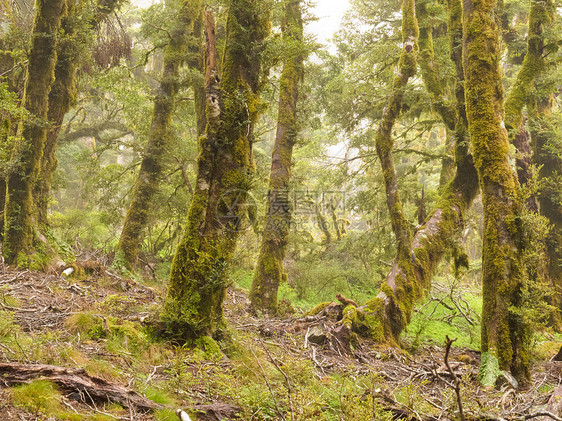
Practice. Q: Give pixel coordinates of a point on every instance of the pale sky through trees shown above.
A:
(329, 13)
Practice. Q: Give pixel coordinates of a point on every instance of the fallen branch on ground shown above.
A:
(76, 383)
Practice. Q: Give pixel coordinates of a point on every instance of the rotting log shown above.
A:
(76, 383)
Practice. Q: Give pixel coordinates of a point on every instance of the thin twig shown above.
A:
(542, 414)
(287, 382)
(268, 386)
(456, 379)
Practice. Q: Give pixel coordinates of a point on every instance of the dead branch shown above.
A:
(75, 382)
(277, 409)
(287, 382)
(542, 414)
(456, 379)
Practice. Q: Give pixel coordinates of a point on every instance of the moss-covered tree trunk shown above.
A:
(4, 133)
(541, 14)
(148, 178)
(385, 316)
(198, 279)
(63, 92)
(60, 99)
(398, 292)
(504, 335)
(26, 157)
(269, 270)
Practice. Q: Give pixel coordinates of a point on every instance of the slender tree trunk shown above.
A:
(4, 133)
(269, 270)
(61, 96)
(26, 157)
(335, 221)
(198, 279)
(504, 334)
(541, 14)
(322, 223)
(150, 171)
(399, 298)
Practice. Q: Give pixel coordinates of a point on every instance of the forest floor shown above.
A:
(94, 328)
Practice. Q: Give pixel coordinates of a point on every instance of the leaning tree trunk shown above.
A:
(398, 296)
(504, 334)
(150, 171)
(384, 317)
(26, 157)
(269, 271)
(198, 278)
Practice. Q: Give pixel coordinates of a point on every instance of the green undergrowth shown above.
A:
(303, 298)
(43, 399)
(456, 315)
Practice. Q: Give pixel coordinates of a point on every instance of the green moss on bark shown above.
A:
(503, 334)
(198, 278)
(269, 270)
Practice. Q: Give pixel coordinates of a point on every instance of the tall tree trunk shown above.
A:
(399, 299)
(26, 157)
(269, 270)
(504, 334)
(198, 278)
(4, 133)
(150, 171)
(541, 14)
(62, 95)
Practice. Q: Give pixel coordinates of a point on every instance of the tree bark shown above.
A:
(269, 270)
(26, 157)
(150, 171)
(541, 15)
(504, 334)
(198, 278)
(397, 295)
